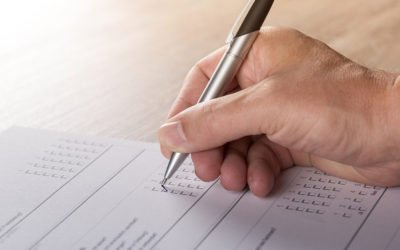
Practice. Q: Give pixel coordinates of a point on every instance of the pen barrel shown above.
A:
(223, 75)
(228, 66)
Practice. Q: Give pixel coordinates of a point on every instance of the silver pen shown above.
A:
(240, 40)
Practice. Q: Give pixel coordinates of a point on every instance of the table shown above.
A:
(113, 68)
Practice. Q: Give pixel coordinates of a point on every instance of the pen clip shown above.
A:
(239, 21)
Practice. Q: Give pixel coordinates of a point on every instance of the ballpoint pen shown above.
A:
(240, 40)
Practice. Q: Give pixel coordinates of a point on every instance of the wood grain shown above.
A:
(113, 68)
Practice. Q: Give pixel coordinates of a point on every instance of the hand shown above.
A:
(295, 101)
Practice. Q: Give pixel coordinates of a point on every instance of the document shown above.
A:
(61, 191)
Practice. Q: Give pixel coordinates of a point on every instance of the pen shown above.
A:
(240, 40)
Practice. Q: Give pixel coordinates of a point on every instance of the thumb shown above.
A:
(216, 122)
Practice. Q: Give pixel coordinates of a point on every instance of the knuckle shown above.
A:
(279, 34)
(209, 117)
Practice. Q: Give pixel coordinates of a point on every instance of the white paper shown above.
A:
(60, 191)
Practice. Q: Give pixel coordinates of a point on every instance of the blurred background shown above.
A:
(114, 67)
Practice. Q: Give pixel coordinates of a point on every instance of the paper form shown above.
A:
(61, 191)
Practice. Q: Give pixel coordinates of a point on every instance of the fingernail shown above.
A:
(172, 135)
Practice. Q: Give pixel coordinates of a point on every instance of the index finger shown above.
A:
(193, 86)
(196, 81)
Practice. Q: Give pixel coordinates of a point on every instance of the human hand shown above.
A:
(294, 101)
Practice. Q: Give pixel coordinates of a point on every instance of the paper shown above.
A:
(60, 191)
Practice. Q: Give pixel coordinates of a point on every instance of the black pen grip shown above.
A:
(255, 18)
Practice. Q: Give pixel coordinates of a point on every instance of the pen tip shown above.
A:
(163, 182)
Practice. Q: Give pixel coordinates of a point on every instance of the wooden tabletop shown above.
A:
(113, 68)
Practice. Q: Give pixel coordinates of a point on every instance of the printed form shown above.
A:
(61, 191)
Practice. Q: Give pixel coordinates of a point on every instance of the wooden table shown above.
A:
(113, 68)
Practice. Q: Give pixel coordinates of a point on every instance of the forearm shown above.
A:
(396, 110)
(393, 117)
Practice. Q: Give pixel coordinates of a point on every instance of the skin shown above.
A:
(295, 101)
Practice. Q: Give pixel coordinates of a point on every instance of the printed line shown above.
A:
(183, 215)
(269, 208)
(54, 193)
(84, 201)
(221, 219)
(365, 219)
(117, 204)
